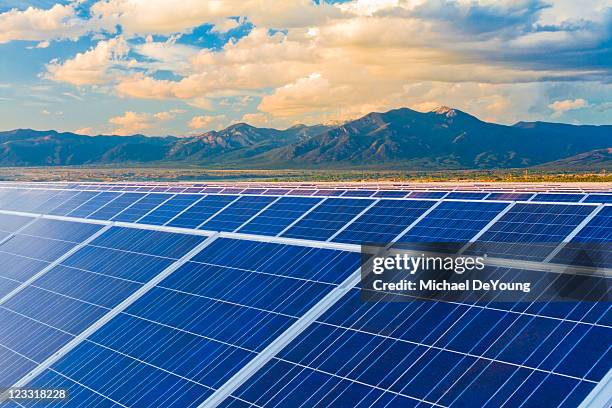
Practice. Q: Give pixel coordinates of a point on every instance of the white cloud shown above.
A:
(207, 122)
(92, 66)
(134, 122)
(87, 131)
(560, 107)
(34, 24)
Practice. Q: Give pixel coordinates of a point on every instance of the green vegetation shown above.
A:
(201, 174)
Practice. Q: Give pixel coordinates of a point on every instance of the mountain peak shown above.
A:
(445, 110)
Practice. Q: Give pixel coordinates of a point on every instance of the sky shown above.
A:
(160, 67)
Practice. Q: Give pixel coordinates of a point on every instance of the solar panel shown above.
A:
(383, 222)
(391, 194)
(453, 221)
(531, 231)
(598, 198)
(155, 341)
(279, 215)
(143, 316)
(201, 211)
(509, 196)
(427, 194)
(91, 206)
(430, 354)
(141, 207)
(75, 293)
(466, 195)
(558, 198)
(171, 208)
(358, 193)
(327, 218)
(237, 213)
(72, 203)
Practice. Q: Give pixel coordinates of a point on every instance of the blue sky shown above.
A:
(162, 67)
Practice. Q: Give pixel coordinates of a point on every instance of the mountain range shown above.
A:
(444, 138)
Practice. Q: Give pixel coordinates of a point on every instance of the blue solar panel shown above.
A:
(279, 215)
(141, 207)
(11, 223)
(170, 209)
(201, 211)
(598, 198)
(427, 194)
(17, 270)
(73, 203)
(510, 196)
(236, 214)
(531, 231)
(47, 240)
(431, 354)
(182, 340)
(466, 195)
(332, 193)
(159, 342)
(358, 193)
(149, 242)
(391, 194)
(327, 218)
(93, 205)
(599, 228)
(116, 206)
(383, 222)
(453, 221)
(54, 201)
(558, 198)
(73, 295)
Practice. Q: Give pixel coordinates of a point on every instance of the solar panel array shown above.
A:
(246, 295)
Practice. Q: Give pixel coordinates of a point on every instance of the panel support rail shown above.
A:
(601, 395)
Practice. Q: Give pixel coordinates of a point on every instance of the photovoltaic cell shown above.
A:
(558, 198)
(421, 353)
(327, 218)
(73, 295)
(72, 203)
(466, 195)
(237, 213)
(509, 196)
(358, 193)
(141, 207)
(11, 223)
(332, 193)
(427, 194)
(189, 334)
(150, 242)
(597, 233)
(453, 221)
(279, 215)
(116, 206)
(54, 201)
(598, 198)
(391, 193)
(170, 209)
(93, 205)
(201, 211)
(383, 222)
(531, 231)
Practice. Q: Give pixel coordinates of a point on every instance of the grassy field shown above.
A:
(199, 174)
